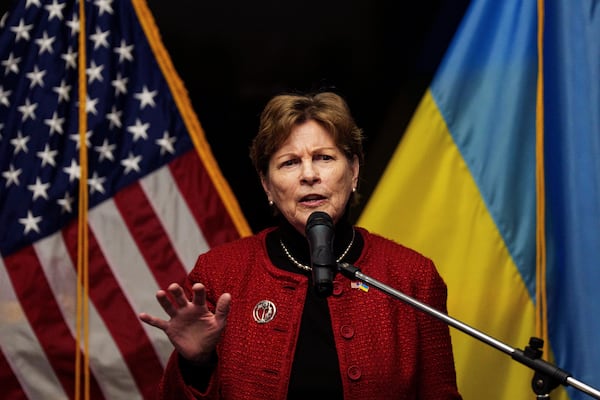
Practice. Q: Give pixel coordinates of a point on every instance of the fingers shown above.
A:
(175, 299)
(155, 322)
(223, 306)
(178, 294)
(199, 296)
(165, 303)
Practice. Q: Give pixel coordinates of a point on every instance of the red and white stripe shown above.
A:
(147, 236)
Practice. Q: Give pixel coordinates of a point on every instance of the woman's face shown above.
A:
(309, 173)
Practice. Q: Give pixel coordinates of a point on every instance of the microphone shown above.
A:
(320, 234)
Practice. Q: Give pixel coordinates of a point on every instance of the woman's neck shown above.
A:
(297, 246)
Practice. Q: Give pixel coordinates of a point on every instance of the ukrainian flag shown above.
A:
(497, 179)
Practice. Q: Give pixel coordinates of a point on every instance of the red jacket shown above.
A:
(386, 348)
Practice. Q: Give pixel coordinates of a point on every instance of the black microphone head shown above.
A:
(320, 234)
(318, 218)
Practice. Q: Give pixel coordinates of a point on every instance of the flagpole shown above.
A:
(546, 377)
(82, 226)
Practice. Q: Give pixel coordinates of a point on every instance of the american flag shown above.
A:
(156, 196)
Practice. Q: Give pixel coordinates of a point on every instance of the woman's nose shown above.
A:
(310, 174)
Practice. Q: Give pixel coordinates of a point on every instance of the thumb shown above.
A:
(223, 306)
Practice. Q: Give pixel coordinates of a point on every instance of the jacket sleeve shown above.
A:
(183, 381)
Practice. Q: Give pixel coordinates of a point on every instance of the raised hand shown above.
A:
(192, 328)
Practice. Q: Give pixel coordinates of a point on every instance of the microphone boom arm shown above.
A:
(546, 377)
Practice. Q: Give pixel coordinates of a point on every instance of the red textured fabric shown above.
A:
(386, 348)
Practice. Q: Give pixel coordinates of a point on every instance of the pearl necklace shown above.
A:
(306, 267)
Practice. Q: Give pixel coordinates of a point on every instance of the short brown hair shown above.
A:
(285, 111)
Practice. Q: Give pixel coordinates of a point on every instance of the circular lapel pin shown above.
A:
(264, 311)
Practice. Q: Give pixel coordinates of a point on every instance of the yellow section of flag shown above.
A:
(428, 200)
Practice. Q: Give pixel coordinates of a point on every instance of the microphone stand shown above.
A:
(546, 377)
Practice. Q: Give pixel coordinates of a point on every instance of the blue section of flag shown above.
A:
(133, 124)
(485, 91)
(572, 163)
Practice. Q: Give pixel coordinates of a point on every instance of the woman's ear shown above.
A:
(265, 186)
(355, 171)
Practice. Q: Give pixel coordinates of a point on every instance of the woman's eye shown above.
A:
(288, 163)
(324, 157)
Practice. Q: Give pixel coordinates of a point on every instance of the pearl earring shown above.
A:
(271, 203)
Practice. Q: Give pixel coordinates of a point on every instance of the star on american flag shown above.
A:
(155, 196)
(126, 133)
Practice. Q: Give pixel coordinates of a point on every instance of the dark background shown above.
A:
(234, 55)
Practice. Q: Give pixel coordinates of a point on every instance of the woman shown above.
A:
(255, 329)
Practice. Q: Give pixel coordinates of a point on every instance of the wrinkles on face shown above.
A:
(310, 173)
